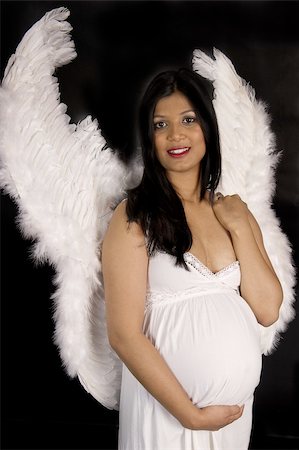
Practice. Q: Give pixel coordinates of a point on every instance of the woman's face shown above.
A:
(178, 137)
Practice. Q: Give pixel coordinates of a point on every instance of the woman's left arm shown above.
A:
(260, 286)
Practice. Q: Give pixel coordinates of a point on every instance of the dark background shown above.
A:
(120, 46)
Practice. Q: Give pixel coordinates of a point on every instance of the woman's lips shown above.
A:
(178, 152)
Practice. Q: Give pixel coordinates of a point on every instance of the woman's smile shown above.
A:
(178, 152)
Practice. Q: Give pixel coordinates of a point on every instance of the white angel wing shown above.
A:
(249, 159)
(65, 186)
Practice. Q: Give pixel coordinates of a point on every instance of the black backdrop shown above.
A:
(120, 46)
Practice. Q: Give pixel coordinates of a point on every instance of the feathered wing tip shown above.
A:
(48, 38)
(28, 80)
(66, 187)
(246, 137)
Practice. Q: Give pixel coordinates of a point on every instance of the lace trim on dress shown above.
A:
(167, 296)
(204, 270)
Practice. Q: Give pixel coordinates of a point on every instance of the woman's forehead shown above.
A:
(175, 102)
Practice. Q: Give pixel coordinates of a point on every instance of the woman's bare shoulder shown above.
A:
(121, 232)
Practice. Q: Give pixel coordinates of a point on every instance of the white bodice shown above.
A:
(166, 280)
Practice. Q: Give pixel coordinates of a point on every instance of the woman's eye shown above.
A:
(189, 120)
(159, 125)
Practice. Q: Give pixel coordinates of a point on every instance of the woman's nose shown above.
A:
(175, 132)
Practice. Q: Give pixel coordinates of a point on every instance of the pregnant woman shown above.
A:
(187, 280)
(188, 290)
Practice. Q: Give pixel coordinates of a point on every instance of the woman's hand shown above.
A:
(212, 418)
(230, 211)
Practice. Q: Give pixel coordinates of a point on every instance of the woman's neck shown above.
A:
(186, 185)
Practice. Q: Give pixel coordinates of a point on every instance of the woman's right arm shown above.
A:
(124, 264)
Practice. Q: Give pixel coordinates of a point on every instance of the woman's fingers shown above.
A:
(216, 417)
(235, 409)
(233, 413)
(218, 195)
(236, 413)
(230, 211)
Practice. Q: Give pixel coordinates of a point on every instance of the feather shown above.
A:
(66, 187)
(246, 137)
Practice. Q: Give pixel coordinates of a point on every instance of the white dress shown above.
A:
(210, 338)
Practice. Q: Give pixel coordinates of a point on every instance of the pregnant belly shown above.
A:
(212, 345)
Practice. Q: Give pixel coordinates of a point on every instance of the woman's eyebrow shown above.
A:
(182, 113)
(187, 111)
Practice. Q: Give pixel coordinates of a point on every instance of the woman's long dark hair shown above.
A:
(154, 204)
